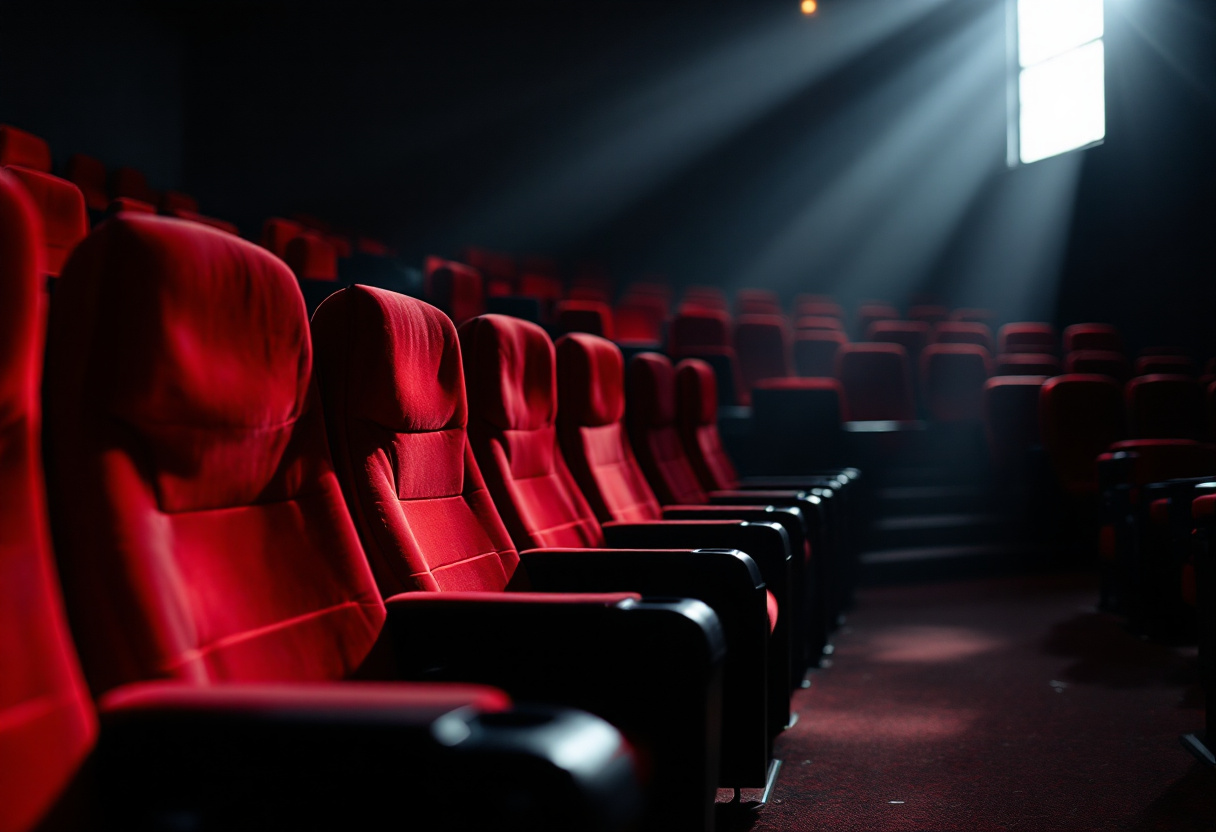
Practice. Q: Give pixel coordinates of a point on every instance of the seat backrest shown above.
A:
(393, 391)
(815, 352)
(817, 306)
(818, 322)
(913, 336)
(1027, 337)
(539, 286)
(65, 220)
(17, 147)
(132, 183)
(1027, 364)
(763, 347)
(868, 313)
(174, 202)
(593, 316)
(697, 423)
(1158, 460)
(695, 327)
(591, 430)
(311, 257)
(1092, 337)
(1100, 362)
(200, 527)
(1165, 407)
(457, 290)
(952, 381)
(1011, 418)
(705, 297)
(758, 302)
(650, 418)
(47, 724)
(510, 375)
(639, 320)
(928, 313)
(877, 382)
(1177, 365)
(1080, 417)
(88, 174)
(963, 332)
(973, 315)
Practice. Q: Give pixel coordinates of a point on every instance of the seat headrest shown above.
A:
(651, 391)
(18, 147)
(697, 393)
(401, 367)
(590, 380)
(126, 203)
(311, 257)
(65, 220)
(21, 264)
(173, 201)
(277, 233)
(187, 333)
(510, 372)
(131, 182)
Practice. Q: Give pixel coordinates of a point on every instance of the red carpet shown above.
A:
(1002, 704)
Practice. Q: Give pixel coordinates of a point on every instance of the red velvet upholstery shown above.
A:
(1165, 407)
(877, 382)
(1080, 417)
(510, 375)
(650, 396)
(591, 404)
(640, 319)
(952, 381)
(540, 286)
(65, 220)
(1100, 362)
(1027, 364)
(17, 147)
(1027, 337)
(46, 719)
(763, 347)
(394, 394)
(696, 327)
(172, 202)
(913, 336)
(89, 174)
(457, 289)
(697, 422)
(131, 183)
(201, 529)
(311, 257)
(1011, 417)
(277, 233)
(868, 313)
(961, 332)
(928, 313)
(591, 316)
(1092, 337)
(757, 302)
(815, 352)
(1179, 365)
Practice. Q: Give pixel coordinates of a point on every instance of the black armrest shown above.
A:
(653, 669)
(173, 755)
(725, 579)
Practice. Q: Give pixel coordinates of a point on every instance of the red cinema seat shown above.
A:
(22, 149)
(868, 313)
(818, 322)
(215, 580)
(122, 204)
(763, 346)
(700, 332)
(61, 207)
(758, 302)
(1027, 364)
(277, 233)
(47, 723)
(173, 203)
(457, 290)
(1176, 365)
(1081, 416)
(1027, 337)
(654, 288)
(639, 320)
(1098, 362)
(1011, 420)
(591, 316)
(962, 332)
(706, 297)
(594, 284)
(913, 336)
(1165, 407)
(392, 383)
(928, 313)
(818, 306)
(89, 174)
(952, 380)
(539, 286)
(1092, 337)
(973, 316)
(815, 352)
(877, 382)
(132, 183)
(313, 261)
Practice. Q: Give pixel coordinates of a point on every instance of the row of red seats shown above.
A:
(193, 416)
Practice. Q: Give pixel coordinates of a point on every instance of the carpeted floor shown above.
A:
(1004, 704)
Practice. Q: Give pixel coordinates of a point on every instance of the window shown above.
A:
(1057, 78)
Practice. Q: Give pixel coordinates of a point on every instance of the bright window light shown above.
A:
(1058, 84)
(1047, 28)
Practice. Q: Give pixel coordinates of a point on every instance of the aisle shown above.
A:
(1002, 704)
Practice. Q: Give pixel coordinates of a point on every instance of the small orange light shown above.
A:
(809, 6)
